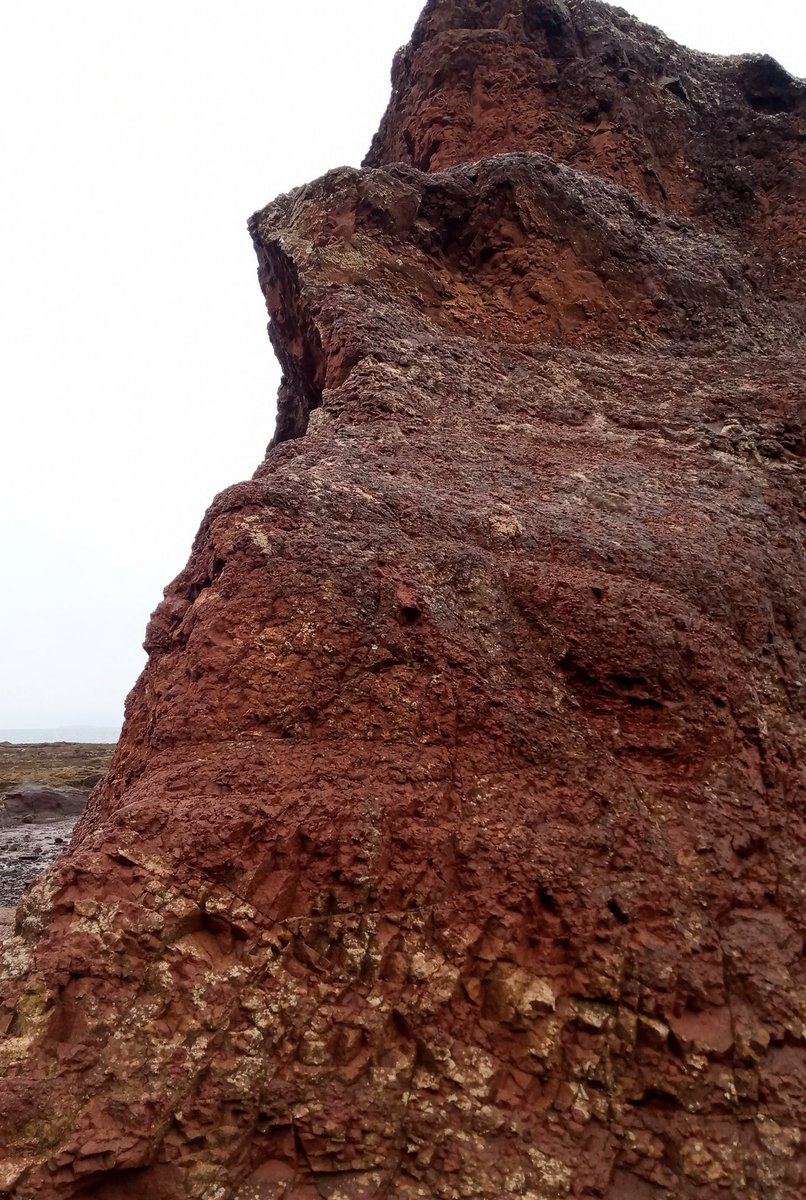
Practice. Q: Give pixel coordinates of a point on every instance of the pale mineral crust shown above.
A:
(454, 847)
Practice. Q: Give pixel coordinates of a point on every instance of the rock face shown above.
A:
(454, 846)
(40, 803)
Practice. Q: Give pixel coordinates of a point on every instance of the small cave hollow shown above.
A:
(155, 1182)
(767, 87)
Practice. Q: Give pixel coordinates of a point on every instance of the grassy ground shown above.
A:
(56, 763)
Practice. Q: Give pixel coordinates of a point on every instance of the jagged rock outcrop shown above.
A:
(454, 844)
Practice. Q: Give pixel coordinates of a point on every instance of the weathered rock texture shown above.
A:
(454, 846)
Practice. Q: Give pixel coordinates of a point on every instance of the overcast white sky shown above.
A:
(136, 376)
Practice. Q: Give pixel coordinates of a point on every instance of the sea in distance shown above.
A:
(87, 734)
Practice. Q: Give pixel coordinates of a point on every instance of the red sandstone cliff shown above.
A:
(455, 846)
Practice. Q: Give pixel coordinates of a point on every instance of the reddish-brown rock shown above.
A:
(454, 846)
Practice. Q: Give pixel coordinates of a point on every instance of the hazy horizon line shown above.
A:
(101, 735)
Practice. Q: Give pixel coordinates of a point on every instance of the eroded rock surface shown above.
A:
(454, 845)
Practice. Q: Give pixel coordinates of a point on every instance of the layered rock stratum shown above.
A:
(454, 845)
